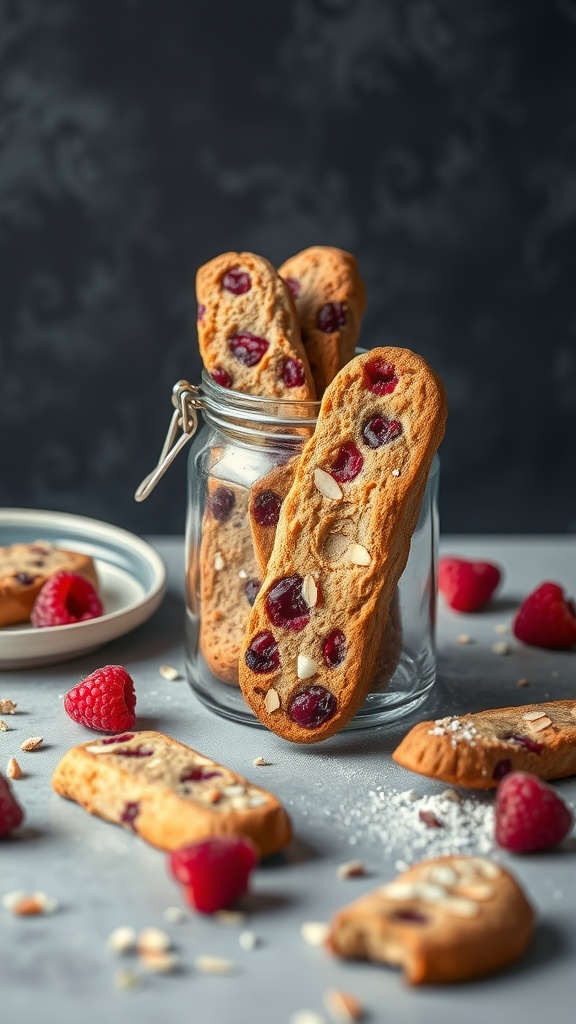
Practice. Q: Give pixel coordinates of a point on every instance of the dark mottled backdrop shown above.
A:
(436, 139)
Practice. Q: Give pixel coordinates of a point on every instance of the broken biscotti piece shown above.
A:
(248, 330)
(25, 568)
(167, 793)
(478, 750)
(330, 299)
(444, 920)
(229, 578)
(342, 542)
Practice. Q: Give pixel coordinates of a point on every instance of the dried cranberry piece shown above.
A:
(201, 312)
(24, 578)
(312, 707)
(347, 464)
(410, 916)
(266, 508)
(118, 739)
(379, 430)
(237, 281)
(293, 373)
(251, 588)
(221, 503)
(286, 605)
(248, 348)
(534, 746)
(221, 376)
(502, 768)
(139, 752)
(331, 317)
(262, 654)
(334, 648)
(294, 286)
(381, 377)
(198, 774)
(130, 813)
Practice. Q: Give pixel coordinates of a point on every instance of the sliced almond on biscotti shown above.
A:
(248, 329)
(477, 750)
(384, 409)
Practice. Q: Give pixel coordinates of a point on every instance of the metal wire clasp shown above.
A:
(185, 399)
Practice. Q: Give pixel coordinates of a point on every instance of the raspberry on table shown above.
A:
(466, 584)
(66, 598)
(104, 700)
(529, 814)
(11, 814)
(214, 872)
(546, 618)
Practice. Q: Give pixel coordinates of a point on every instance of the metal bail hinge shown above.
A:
(185, 399)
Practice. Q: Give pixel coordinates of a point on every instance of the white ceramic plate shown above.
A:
(132, 584)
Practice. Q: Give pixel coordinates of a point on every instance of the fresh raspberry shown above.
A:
(467, 585)
(11, 814)
(104, 700)
(529, 814)
(65, 598)
(546, 618)
(214, 872)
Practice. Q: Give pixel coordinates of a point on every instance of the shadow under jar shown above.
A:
(240, 467)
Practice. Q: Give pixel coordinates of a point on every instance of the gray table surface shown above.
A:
(57, 967)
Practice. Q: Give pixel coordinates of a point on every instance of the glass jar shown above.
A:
(248, 440)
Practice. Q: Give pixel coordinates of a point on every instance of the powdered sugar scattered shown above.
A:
(456, 729)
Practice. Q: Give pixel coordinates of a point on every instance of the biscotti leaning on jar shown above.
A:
(341, 545)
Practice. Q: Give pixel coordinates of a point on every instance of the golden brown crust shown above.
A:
(444, 920)
(227, 568)
(372, 518)
(265, 310)
(319, 277)
(149, 790)
(24, 569)
(477, 750)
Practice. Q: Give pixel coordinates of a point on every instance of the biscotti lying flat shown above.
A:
(24, 569)
(341, 544)
(444, 920)
(478, 750)
(330, 299)
(167, 793)
(248, 329)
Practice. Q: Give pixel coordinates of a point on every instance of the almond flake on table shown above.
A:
(231, 918)
(28, 904)
(169, 672)
(261, 762)
(159, 961)
(7, 707)
(307, 1017)
(214, 965)
(351, 869)
(522, 682)
(314, 932)
(174, 915)
(13, 770)
(153, 940)
(3, 726)
(463, 638)
(32, 743)
(248, 941)
(122, 940)
(501, 628)
(501, 647)
(343, 1007)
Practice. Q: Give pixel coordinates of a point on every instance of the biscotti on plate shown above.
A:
(25, 568)
(341, 545)
(167, 793)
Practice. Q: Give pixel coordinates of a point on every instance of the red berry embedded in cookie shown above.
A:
(334, 648)
(104, 700)
(529, 814)
(200, 313)
(66, 598)
(251, 588)
(294, 286)
(248, 348)
(262, 654)
(221, 503)
(547, 618)
(293, 373)
(312, 706)
(237, 281)
(347, 463)
(285, 603)
(11, 814)
(331, 317)
(266, 508)
(221, 376)
(214, 872)
(467, 585)
(379, 430)
(381, 377)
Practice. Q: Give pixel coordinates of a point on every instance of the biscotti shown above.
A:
(449, 919)
(24, 569)
(341, 544)
(229, 577)
(330, 299)
(167, 793)
(478, 750)
(248, 329)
